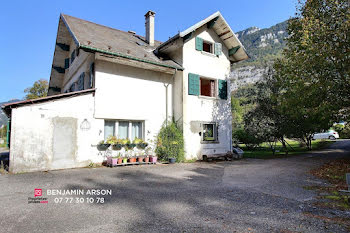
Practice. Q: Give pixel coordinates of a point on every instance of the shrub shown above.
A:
(170, 143)
(242, 136)
(345, 133)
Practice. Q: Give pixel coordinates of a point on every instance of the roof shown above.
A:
(99, 38)
(223, 30)
(7, 107)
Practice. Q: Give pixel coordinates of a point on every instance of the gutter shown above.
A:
(92, 49)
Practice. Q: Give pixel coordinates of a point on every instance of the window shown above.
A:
(109, 129)
(123, 129)
(136, 131)
(210, 132)
(207, 47)
(207, 87)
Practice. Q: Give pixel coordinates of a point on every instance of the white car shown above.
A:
(330, 134)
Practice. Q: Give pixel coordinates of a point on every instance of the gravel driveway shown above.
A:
(249, 195)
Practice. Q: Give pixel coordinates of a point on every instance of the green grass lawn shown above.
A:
(264, 151)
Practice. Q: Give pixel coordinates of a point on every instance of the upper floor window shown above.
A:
(209, 47)
(207, 87)
(201, 86)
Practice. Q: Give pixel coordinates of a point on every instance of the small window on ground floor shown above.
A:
(210, 132)
(124, 129)
(207, 87)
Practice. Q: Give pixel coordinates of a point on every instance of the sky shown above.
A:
(29, 28)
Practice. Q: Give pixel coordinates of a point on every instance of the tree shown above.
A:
(313, 76)
(38, 90)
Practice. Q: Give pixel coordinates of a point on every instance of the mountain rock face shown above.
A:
(262, 46)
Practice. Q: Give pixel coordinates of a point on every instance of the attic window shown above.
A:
(207, 47)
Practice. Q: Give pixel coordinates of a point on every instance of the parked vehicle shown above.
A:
(330, 134)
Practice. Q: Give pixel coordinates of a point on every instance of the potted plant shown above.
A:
(140, 158)
(102, 145)
(128, 144)
(118, 144)
(146, 158)
(120, 159)
(125, 159)
(114, 160)
(172, 160)
(132, 159)
(140, 143)
(149, 156)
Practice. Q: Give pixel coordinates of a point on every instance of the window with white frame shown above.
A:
(124, 129)
(209, 132)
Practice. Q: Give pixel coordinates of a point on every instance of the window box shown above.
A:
(117, 146)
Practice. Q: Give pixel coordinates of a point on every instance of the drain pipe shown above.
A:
(166, 100)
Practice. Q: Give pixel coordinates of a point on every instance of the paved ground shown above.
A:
(241, 196)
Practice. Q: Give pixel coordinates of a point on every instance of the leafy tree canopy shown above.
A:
(38, 90)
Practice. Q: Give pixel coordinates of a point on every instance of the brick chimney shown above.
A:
(149, 16)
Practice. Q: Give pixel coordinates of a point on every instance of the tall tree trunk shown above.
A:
(284, 145)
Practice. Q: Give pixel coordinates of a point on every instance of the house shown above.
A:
(109, 82)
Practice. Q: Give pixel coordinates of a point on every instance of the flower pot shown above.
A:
(130, 146)
(103, 147)
(140, 159)
(117, 146)
(172, 160)
(146, 159)
(120, 160)
(114, 161)
(153, 159)
(132, 160)
(142, 145)
(125, 160)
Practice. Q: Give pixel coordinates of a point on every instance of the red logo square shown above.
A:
(37, 192)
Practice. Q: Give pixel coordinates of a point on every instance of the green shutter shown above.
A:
(199, 44)
(193, 84)
(223, 89)
(66, 63)
(8, 133)
(217, 49)
(233, 50)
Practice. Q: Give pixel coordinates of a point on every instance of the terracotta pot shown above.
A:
(120, 160)
(146, 159)
(132, 160)
(140, 159)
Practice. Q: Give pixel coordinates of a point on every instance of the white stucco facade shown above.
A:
(134, 93)
(48, 136)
